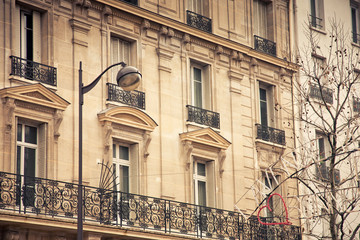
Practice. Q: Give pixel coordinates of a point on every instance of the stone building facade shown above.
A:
(195, 150)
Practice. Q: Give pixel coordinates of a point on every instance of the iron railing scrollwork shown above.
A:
(198, 21)
(33, 71)
(264, 45)
(203, 116)
(133, 98)
(316, 92)
(59, 199)
(270, 134)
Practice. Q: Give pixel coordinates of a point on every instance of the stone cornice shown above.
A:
(182, 27)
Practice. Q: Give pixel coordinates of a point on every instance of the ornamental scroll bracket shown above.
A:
(147, 139)
(188, 147)
(108, 130)
(9, 113)
(58, 117)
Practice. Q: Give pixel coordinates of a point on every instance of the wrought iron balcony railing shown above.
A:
(356, 104)
(203, 116)
(327, 93)
(134, 98)
(198, 21)
(316, 22)
(33, 71)
(39, 196)
(265, 45)
(270, 134)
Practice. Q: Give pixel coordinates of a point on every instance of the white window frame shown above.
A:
(205, 85)
(317, 11)
(260, 18)
(270, 103)
(355, 29)
(200, 7)
(118, 163)
(35, 18)
(200, 178)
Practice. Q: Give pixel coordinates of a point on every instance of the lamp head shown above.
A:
(128, 78)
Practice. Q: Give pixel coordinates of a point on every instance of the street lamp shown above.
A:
(127, 78)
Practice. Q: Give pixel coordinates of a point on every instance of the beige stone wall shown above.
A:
(163, 49)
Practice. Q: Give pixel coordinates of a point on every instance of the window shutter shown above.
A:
(37, 36)
(42, 143)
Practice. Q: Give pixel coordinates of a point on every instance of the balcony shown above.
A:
(327, 93)
(270, 134)
(198, 21)
(33, 71)
(203, 116)
(265, 45)
(58, 200)
(134, 98)
(316, 22)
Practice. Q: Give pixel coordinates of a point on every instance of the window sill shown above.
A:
(18, 81)
(318, 30)
(197, 126)
(355, 44)
(270, 145)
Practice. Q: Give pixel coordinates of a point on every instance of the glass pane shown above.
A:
(201, 193)
(19, 132)
(124, 152)
(197, 95)
(124, 174)
(197, 74)
(201, 169)
(18, 160)
(29, 164)
(321, 148)
(30, 134)
(114, 151)
(263, 108)
(262, 94)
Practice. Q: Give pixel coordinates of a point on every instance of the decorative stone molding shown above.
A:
(208, 139)
(108, 130)
(234, 55)
(219, 50)
(165, 56)
(107, 11)
(254, 62)
(146, 24)
(163, 30)
(9, 113)
(241, 57)
(81, 30)
(171, 33)
(147, 140)
(222, 156)
(58, 117)
(11, 234)
(188, 147)
(235, 81)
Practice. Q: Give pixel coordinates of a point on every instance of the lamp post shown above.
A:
(128, 78)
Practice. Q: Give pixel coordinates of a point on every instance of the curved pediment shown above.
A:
(128, 116)
(206, 136)
(35, 94)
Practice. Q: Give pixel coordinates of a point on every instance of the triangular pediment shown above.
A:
(128, 116)
(206, 136)
(35, 94)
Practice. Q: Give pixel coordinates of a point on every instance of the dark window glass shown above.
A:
(19, 132)
(30, 134)
(263, 107)
(124, 152)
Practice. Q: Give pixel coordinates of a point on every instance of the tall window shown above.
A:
(317, 13)
(199, 6)
(200, 86)
(266, 105)
(120, 52)
(121, 166)
(278, 212)
(199, 169)
(30, 158)
(355, 22)
(30, 35)
(323, 148)
(261, 18)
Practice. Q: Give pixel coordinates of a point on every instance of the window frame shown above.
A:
(118, 163)
(200, 7)
(317, 13)
(355, 22)
(270, 90)
(199, 178)
(121, 42)
(205, 85)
